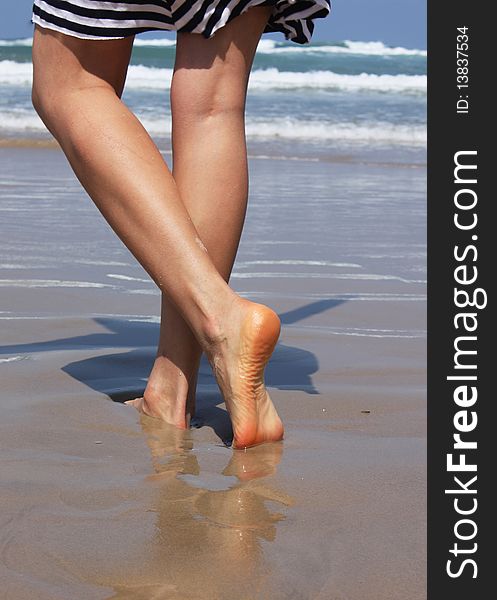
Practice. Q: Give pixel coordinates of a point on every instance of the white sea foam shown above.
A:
(285, 158)
(355, 332)
(13, 266)
(24, 121)
(140, 319)
(320, 263)
(18, 42)
(267, 46)
(48, 283)
(380, 48)
(15, 73)
(11, 359)
(127, 278)
(107, 263)
(346, 47)
(142, 77)
(287, 128)
(155, 78)
(368, 132)
(266, 79)
(147, 292)
(346, 276)
(138, 42)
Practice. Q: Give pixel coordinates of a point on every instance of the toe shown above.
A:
(137, 403)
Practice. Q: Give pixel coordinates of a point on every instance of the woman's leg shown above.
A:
(76, 87)
(208, 95)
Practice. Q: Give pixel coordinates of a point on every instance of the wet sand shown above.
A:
(100, 503)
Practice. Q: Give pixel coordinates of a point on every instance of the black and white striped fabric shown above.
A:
(100, 19)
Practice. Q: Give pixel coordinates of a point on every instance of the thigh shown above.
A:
(217, 68)
(63, 61)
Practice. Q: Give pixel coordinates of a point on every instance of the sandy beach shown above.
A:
(100, 503)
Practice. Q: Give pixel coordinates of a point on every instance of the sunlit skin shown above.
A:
(183, 227)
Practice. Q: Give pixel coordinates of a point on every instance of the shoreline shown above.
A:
(353, 155)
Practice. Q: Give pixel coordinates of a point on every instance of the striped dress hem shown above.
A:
(106, 20)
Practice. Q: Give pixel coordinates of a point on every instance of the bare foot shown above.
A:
(168, 395)
(170, 413)
(238, 359)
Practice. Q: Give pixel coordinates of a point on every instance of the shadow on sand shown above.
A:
(123, 375)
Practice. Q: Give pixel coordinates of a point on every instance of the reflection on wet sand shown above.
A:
(210, 528)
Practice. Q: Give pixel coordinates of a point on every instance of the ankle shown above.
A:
(167, 378)
(217, 325)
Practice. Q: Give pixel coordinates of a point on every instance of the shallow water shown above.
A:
(100, 503)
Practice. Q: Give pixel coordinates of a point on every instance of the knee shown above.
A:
(57, 104)
(52, 94)
(45, 100)
(37, 98)
(217, 106)
(217, 110)
(197, 102)
(43, 88)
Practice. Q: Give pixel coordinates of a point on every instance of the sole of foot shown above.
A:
(238, 363)
(239, 370)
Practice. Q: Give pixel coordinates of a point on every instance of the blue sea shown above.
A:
(317, 99)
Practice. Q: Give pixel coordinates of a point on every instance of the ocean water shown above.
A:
(322, 98)
(342, 125)
(337, 248)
